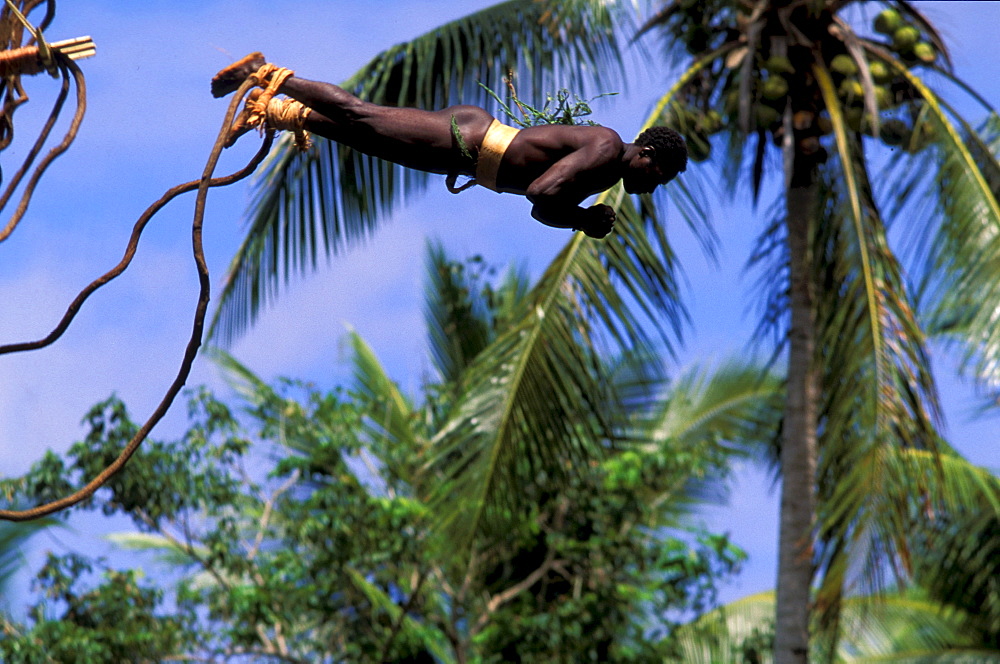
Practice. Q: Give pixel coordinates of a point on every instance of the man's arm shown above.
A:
(557, 193)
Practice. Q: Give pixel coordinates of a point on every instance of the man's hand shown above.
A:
(598, 220)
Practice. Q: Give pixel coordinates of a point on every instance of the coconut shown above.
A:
(924, 52)
(844, 64)
(809, 145)
(880, 71)
(851, 89)
(803, 120)
(774, 88)
(888, 21)
(853, 118)
(884, 97)
(710, 122)
(905, 38)
(767, 116)
(779, 64)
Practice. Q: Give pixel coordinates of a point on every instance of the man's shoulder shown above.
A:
(595, 135)
(577, 135)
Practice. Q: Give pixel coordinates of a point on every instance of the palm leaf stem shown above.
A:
(829, 93)
(957, 143)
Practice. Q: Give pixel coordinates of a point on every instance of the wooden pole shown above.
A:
(26, 60)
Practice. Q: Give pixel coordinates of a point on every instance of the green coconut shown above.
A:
(884, 97)
(851, 89)
(779, 64)
(844, 64)
(925, 52)
(774, 88)
(888, 21)
(710, 122)
(880, 72)
(853, 118)
(905, 38)
(767, 116)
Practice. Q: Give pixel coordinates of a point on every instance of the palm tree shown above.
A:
(807, 76)
(859, 383)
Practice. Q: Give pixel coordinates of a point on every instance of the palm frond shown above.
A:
(531, 402)
(170, 552)
(13, 537)
(732, 410)
(937, 525)
(877, 387)
(770, 259)
(734, 404)
(313, 204)
(458, 322)
(396, 430)
(430, 636)
(737, 632)
(962, 269)
(955, 538)
(250, 387)
(965, 291)
(902, 627)
(536, 400)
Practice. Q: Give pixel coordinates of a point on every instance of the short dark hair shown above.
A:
(671, 151)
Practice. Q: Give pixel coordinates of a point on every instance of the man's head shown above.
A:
(661, 155)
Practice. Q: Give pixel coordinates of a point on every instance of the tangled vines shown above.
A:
(11, 33)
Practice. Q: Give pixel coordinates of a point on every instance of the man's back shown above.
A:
(595, 153)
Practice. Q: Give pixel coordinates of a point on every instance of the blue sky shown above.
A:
(150, 125)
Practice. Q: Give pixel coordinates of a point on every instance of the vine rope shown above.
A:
(194, 342)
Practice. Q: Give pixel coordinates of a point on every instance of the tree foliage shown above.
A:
(297, 524)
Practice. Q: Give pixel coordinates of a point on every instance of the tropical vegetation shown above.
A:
(299, 525)
(822, 92)
(528, 504)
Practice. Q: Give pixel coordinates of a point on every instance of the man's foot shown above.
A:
(230, 78)
(247, 119)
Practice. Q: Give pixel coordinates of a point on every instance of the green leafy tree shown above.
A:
(326, 553)
(824, 88)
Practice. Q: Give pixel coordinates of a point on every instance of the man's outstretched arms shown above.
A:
(556, 194)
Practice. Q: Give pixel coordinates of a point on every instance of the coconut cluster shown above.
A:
(905, 38)
(776, 85)
(893, 95)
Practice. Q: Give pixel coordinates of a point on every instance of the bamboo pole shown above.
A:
(26, 60)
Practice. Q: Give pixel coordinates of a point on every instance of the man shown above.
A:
(555, 166)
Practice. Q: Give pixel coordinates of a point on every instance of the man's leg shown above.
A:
(411, 137)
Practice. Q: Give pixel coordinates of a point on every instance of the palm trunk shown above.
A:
(799, 451)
